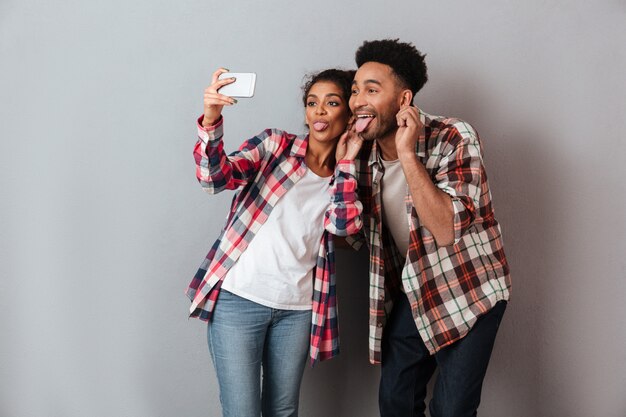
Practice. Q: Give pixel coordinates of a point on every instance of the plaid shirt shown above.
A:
(448, 287)
(264, 168)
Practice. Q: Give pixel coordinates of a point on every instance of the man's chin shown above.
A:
(368, 135)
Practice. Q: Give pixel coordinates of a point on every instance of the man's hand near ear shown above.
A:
(409, 128)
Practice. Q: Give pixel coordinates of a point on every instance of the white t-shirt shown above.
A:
(276, 270)
(393, 186)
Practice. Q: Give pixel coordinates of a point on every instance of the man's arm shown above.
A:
(433, 206)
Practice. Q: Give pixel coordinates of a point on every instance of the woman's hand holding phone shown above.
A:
(214, 102)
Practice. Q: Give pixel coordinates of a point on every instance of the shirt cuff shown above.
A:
(463, 217)
(346, 166)
(212, 134)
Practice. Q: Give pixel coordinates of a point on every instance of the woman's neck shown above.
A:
(320, 157)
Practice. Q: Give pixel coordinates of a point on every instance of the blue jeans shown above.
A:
(244, 337)
(407, 366)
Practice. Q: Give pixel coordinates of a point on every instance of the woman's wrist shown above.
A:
(208, 122)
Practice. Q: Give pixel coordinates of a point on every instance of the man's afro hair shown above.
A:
(404, 59)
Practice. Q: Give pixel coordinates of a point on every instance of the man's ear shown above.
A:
(407, 98)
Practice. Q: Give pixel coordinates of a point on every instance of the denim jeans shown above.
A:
(407, 366)
(245, 337)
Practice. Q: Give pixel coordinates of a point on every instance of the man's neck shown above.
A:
(387, 146)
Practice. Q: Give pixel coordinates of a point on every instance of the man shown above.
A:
(439, 279)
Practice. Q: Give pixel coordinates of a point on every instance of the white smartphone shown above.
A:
(242, 87)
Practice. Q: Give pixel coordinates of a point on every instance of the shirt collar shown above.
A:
(374, 157)
(421, 140)
(299, 145)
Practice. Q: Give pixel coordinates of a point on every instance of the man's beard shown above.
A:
(386, 124)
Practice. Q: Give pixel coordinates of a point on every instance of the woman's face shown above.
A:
(327, 113)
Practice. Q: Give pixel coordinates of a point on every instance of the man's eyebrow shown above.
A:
(370, 81)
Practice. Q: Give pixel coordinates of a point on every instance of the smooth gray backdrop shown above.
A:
(103, 223)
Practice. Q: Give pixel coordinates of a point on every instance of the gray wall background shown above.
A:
(103, 223)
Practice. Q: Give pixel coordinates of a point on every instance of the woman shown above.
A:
(267, 285)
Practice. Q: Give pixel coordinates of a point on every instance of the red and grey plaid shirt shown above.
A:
(263, 170)
(449, 287)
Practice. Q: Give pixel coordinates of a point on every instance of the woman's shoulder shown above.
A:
(279, 133)
(279, 140)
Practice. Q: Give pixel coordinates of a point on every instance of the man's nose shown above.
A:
(357, 101)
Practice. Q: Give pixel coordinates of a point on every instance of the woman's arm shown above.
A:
(215, 170)
(343, 217)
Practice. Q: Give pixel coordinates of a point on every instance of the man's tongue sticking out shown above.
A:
(362, 123)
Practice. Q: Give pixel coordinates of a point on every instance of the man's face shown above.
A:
(375, 100)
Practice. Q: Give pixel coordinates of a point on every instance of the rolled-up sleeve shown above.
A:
(460, 175)
(343, 217)
(217, 171)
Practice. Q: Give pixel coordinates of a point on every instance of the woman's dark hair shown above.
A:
(404, 59)
(342, 78)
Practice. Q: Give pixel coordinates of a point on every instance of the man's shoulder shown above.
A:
(445, 130)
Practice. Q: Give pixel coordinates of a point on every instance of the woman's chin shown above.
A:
(325, 136)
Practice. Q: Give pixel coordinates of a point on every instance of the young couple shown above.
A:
(377, 169)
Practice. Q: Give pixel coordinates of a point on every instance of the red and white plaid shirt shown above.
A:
(263, 169)
(449, 287)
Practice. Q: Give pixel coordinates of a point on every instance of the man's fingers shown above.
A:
(407, 116)
(401, 119)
